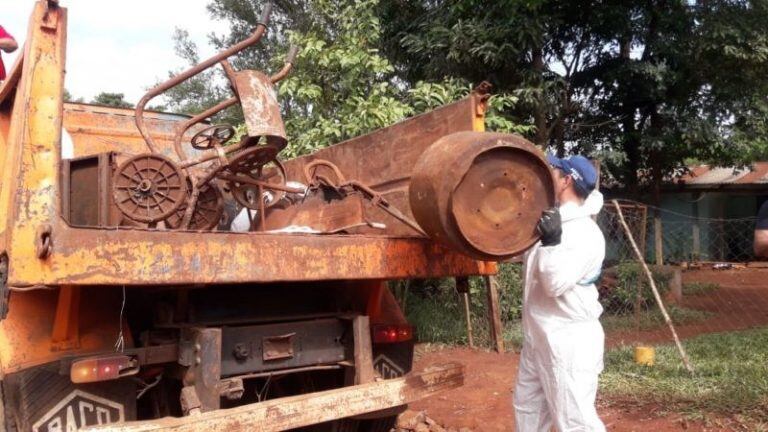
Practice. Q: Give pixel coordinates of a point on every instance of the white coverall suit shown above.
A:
(563, 340)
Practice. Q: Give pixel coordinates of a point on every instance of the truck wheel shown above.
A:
(41, 400)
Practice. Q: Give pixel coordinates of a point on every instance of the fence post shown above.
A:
(494, 313)
(462, 288)
(657, 238)
(696, 229)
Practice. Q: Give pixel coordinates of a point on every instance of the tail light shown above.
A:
(387, 333)
(102, 368)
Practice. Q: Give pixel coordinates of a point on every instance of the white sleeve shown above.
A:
(561, 267)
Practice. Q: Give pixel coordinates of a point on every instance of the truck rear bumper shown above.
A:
(308, 409)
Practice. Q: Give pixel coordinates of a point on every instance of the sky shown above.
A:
(119, 46)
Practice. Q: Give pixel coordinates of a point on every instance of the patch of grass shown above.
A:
(437, 310)
(731, 375)
(652, 319)
(699, 288)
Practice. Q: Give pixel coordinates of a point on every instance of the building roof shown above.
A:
(706, 176)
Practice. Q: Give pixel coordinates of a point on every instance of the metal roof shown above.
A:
(706, 175)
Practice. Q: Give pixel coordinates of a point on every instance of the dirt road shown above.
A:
(483, 404)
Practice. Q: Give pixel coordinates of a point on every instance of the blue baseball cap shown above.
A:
(579, 168)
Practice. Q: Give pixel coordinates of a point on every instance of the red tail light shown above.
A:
(385, 333)
(102, 368)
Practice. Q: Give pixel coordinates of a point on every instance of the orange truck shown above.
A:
(158, 272)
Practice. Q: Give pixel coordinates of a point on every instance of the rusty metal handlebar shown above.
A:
(261, 28)
(289, 60)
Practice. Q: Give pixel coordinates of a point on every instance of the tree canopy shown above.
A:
(645, 85)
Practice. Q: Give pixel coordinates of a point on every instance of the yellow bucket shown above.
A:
(645, 355)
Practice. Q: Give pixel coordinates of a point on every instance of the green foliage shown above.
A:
(630, 277)
(643, 85)
(341, 86)
(652, 319)
(437, 311)
(111, 99)
(731, 375)
(69, 98)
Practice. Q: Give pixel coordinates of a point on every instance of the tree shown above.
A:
(69, 98)
(645, 84)
(341, 86)
(112, 99)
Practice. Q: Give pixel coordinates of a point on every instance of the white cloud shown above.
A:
(119, 46)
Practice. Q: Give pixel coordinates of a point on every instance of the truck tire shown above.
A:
(40, 399)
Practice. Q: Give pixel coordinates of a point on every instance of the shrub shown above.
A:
(620, 284)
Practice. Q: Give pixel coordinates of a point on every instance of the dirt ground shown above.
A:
(740, 303)
(484, 402)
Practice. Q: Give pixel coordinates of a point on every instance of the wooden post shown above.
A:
(676, 285)
(468, 317)
(696, 228)
(494, 313)
(644, 231)
(658, 238)
(462, 288)
(656, 295)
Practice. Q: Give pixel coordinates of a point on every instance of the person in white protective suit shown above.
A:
(563, 343)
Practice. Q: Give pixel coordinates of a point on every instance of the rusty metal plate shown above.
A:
(481, 193)
(277, 347)
(330, 215)
(499, 201)
(260, 107)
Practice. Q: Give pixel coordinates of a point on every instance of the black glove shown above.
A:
(550, 227)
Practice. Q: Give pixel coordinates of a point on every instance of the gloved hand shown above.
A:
(550, 227)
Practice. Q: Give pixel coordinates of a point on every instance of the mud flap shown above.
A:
(42, 400)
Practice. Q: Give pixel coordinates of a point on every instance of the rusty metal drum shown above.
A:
(481, 193)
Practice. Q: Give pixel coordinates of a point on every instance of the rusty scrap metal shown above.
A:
(184, 127)
(256, 178)
(260, 107)
(261, 28)
(213, 136)
(207, 213)
(481, 193)
(345, 187)
(149, 188)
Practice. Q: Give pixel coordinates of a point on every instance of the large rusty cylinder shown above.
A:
(482, 194)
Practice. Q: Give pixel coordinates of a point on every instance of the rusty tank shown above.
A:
(481, 193)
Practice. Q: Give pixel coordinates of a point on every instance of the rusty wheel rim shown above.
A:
(149, 188)
(208, 211)
(503, 188)
(258, 163)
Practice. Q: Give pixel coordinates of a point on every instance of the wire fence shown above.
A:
(707, 275)
(708, 280)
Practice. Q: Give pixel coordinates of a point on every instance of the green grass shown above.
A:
(731, 375)
(699, 288)
(652, 319)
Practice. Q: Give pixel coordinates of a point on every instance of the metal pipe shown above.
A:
(288, 371)
(289, 60)
(261, 28)
(252, 182)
